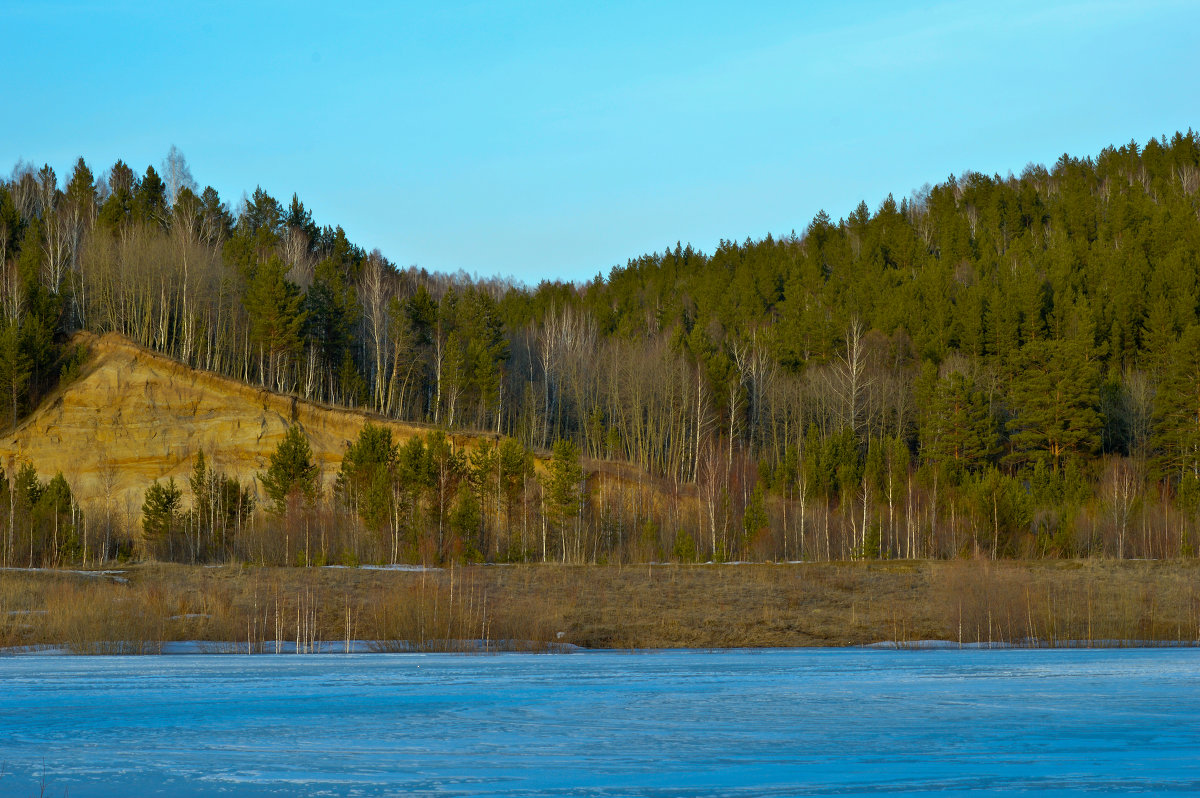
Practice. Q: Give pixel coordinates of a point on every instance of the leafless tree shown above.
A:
(57, 245)
(376, 290)
(12, 298)
(852, 377)
(25, 189)
(176, 175)
(566, 337)
(756, 369)
(1121, 488)
(713, 481)
(296, 252)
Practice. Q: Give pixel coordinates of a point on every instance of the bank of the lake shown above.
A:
(137, 608)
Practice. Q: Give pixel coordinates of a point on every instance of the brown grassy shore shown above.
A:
(1099, 602)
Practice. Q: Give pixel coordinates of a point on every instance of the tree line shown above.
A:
(998, 365)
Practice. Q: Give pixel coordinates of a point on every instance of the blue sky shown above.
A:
(553, 140)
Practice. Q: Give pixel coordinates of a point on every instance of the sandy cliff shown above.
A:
(134, 416)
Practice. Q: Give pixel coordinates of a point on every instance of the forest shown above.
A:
(996, 366)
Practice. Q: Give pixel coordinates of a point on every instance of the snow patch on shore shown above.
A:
(115, 576)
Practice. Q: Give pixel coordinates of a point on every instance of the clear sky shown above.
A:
(555, 140)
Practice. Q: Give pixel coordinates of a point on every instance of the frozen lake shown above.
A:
(678, 723)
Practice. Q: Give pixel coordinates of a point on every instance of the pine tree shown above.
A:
(15, 370)
(364, 481)
(160, 508)
(564, 476)
(292, 471)
(515, 465)
(53, 515)
(754, 519)
(444, 471)
(330, 312)
(1158, 336)
(959, 432)
(1176, 425)
(117, 210)
(276, 319)
(150, 199)
(1055, 401)
(26, 487)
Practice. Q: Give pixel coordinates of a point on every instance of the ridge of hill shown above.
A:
(133, 416)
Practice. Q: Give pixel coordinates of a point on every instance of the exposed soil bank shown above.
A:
(646, 606)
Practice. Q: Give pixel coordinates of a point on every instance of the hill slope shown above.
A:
(134, 416)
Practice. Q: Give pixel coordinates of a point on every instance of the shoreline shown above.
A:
(898, 604)
(228, 648)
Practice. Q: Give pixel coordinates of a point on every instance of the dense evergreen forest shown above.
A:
(992, 366)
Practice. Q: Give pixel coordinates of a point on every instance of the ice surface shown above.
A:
(679, 723)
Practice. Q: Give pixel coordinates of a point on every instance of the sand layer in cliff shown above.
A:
(133, 416)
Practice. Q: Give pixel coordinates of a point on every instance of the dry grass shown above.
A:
(258, 609)
(244, 609)
(1071, 602)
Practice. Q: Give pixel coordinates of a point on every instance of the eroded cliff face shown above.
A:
(134, 416)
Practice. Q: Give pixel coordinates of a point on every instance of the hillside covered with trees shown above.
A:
(1001, 366)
